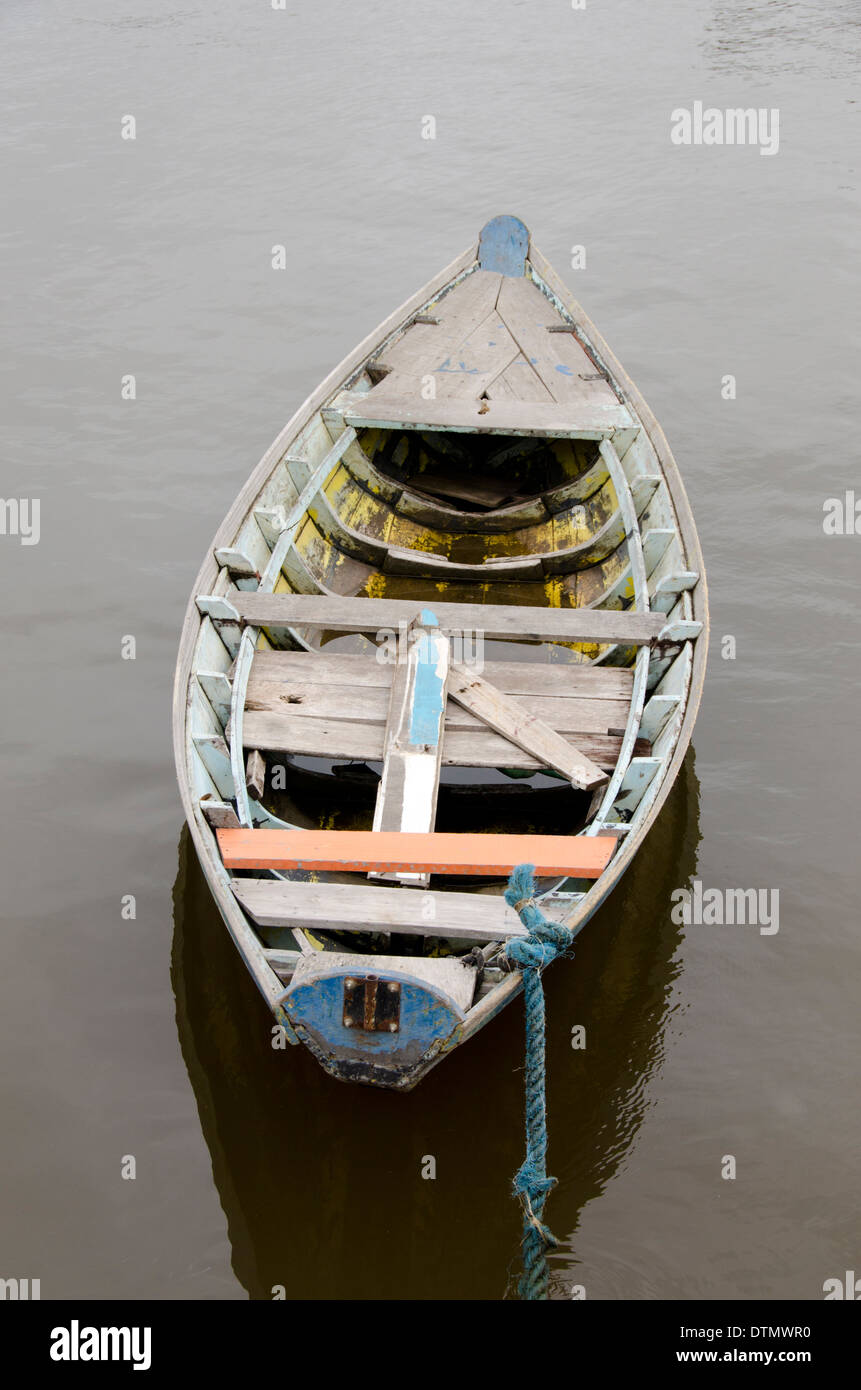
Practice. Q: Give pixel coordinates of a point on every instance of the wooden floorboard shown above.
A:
(368, 704)
(514, 677)
(339, 739)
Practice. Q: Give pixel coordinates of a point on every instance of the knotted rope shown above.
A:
(546, 940)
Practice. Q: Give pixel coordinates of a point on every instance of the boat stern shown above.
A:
(379, 1020)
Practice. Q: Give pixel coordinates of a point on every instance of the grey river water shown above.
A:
(152, 257)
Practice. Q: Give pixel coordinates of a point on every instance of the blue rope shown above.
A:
(530, 954)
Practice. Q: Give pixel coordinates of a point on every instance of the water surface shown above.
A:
(152, 257)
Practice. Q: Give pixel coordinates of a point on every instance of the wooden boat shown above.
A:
(455, 621)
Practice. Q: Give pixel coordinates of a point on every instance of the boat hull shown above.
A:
(310, 1007)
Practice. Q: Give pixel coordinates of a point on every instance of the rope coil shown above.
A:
(530, 954)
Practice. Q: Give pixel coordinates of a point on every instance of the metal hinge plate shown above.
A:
(371, 1004)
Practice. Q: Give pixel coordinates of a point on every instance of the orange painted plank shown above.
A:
(396, 851)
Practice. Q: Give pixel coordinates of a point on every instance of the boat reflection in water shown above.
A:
(322, 1183)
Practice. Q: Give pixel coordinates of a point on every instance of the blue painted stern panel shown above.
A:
(428, 1018)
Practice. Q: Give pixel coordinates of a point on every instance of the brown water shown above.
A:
(144, 1037)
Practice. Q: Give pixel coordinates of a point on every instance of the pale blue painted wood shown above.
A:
(503, 246)
(609, 807)
(426, 719)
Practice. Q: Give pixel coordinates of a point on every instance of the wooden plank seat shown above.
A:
(494, 621)
(389, 851)
(479, 917)
(382, 409)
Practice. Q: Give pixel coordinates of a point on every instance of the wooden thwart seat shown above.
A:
(492, 620)
(381, 851)
(381, 408)
(272, 902)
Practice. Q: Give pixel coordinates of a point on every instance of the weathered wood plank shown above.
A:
(424, 346)
(519, 382)
(216, 688)
(344, 907)
(643, 488)
(637, 778)
(681, 630)
(240, 565)
(223, 617)
(560, 361)
(480, 491)
(536, 624)
(573, 420)
(656, 713)
(361, 851)
(368, 704)
(255, 774)
(464, 373)
(669, 587)
(283, 962)
(514, 721)
(272, 521)
(215, 756)
(413, 738)
(579, 679)
(219, 814)
(655, 542)
(336, 738)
